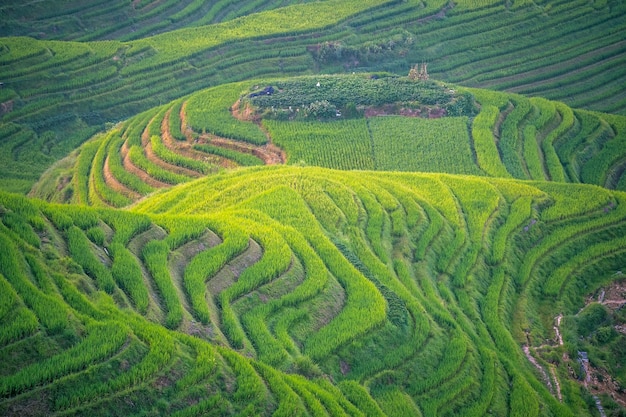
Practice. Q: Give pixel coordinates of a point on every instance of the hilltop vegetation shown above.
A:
(298, 291)
(57, 94)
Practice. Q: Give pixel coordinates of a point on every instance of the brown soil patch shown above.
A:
(252, 255)
(613, 296)
(184, 126)
(247, 114)
(145, 135)
(441, 14)
(280, 155)
(270, 154)
(206, 241)
(333, 300)
(599, 381)
(6, 107)
(603, 383)
(185, 148)
(152, 157)
(63, 182)
(142, 175)
(114, 184)
(35, 405)
(344, 367)
(228, 275)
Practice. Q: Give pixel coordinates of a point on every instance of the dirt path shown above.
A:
(598, 380)
(542, 371)
(269, 154)
(557, 329)
(184, 126)
(555, 378)
(153, 157)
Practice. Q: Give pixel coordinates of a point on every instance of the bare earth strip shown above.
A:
(113, 183)
(184, 127)
(542, 371)
(142, 175)
(497, 127)
(184, 148)
(269, 153)
(152, 157)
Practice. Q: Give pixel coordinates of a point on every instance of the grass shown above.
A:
(336, 144)
(414, 144)
(107, 81)
(511, 136)
(364, 291)
(375, 295)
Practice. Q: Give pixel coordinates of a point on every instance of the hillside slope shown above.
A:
(56, 94)
(121, 20)
(458, 131)
(308, 292)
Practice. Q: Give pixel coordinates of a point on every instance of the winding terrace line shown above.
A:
(184, 147)
(138, 172)
(112, 182)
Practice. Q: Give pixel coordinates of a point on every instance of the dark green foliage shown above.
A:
(101, 341)
(591, 319)
(336, 92)
(127, 273)
(155, 257)
(18, 225)
(80, 249)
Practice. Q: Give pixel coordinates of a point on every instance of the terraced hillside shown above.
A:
(121, 20)
(351, 241)
(482, 133)
(306, 291)
(56, 94)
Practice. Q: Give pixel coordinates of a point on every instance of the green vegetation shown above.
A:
(56, 94)
(290, 295)
(341, 144)
(210, 112)
(418, 248)
(344, 93)
(414, 144)
(241, 158)
(229, 126)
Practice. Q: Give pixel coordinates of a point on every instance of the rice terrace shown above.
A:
(313, 208)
